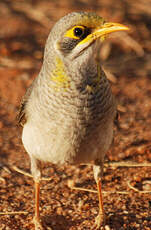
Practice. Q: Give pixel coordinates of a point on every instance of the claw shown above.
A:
(37, 223)
(100, 222)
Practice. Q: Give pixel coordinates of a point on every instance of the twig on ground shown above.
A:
(126, 164)
(71, 185)
(13, 213)
(28, 174)
(135, 189)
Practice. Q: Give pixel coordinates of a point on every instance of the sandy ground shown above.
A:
(24, 28)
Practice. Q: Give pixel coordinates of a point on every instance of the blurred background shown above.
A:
(126, 59)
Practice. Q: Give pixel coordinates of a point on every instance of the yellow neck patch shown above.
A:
(59, 75)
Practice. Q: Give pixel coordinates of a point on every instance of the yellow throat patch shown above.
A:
(59, 76)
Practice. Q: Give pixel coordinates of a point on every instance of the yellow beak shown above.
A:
(107, 28)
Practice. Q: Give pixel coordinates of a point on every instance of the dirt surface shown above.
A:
(127, 60)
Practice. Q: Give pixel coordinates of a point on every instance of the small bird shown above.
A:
(68, 112)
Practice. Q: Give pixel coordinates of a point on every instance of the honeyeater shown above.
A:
(68, 112)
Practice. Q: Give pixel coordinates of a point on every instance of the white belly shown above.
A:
(47, 145)
(44, 145)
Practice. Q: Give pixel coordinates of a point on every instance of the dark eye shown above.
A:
(78, 32)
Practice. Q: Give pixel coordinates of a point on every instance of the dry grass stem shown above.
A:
(126, 164)
(13, 213)
(135, 189)
(28, 174)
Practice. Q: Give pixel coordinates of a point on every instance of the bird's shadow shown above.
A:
(58, 222)
(116, 221)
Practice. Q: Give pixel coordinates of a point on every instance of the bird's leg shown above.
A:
(100, 218)
(37, 193)
(36, 172)
(97, 175)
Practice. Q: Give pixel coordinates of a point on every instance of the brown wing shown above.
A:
(21, 116)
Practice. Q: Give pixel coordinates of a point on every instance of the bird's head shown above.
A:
(77, 33)
(73, 42)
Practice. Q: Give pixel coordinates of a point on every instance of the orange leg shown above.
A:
(36, 219)
(101, 208)
(37, 193)
(101, 217)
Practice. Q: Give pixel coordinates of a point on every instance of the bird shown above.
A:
(68, 112)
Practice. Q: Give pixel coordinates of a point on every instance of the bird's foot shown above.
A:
(100, 222)
(37, 223)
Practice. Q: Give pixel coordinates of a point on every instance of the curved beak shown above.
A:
(108, 28)
(100, 32)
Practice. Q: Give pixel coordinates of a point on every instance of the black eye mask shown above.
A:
(68, 44)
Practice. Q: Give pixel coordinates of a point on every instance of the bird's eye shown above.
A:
(78, 31)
